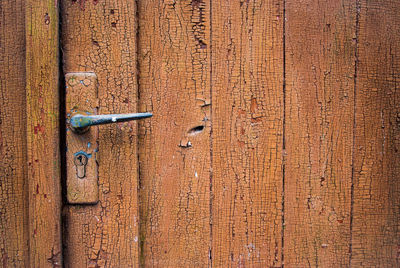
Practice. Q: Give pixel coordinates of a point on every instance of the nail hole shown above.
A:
(196, 130)
(46, 19)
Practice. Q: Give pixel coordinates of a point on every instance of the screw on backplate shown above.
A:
(80, 161)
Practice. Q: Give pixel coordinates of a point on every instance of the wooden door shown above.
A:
(274, 142)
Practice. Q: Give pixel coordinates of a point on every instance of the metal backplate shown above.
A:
(82, 175)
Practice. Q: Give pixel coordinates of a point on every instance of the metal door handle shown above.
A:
(80, 123)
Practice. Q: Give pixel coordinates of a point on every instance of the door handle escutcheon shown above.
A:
(80, 123)
(82, 147)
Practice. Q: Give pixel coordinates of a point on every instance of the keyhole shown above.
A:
(80, 162)
(80, 159)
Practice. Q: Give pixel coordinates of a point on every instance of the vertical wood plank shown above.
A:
(376, 206)
(100, 36)
(175, 144)
(42, 102)
(13, 168)
(320, 58)
(247, 136)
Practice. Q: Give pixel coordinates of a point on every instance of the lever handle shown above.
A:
(80, 123)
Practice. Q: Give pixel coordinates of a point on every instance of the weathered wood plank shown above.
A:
(42, 102)
(175, 144)
(247, 135)
(100, 36)
(13, 168)
(320, 58)
(376, 205)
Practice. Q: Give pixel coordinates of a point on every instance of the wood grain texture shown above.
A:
(100, 36)
(376, 205)
(13, 168)
(42, 102)
(175, 144)
(320, 58)
(247, 135)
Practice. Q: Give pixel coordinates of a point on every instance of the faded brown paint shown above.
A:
(320, 59)
(13, 173)
(326, 144)
(222, 194)
(247, 133)
(174, 148)
(376, 205)
(101, 37)
(43, 156)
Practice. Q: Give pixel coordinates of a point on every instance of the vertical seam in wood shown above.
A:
(211, 139)
(283, 131)
(138, 175)
(28, 27)
(62, 133)
(357, 30)
(141, 262)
